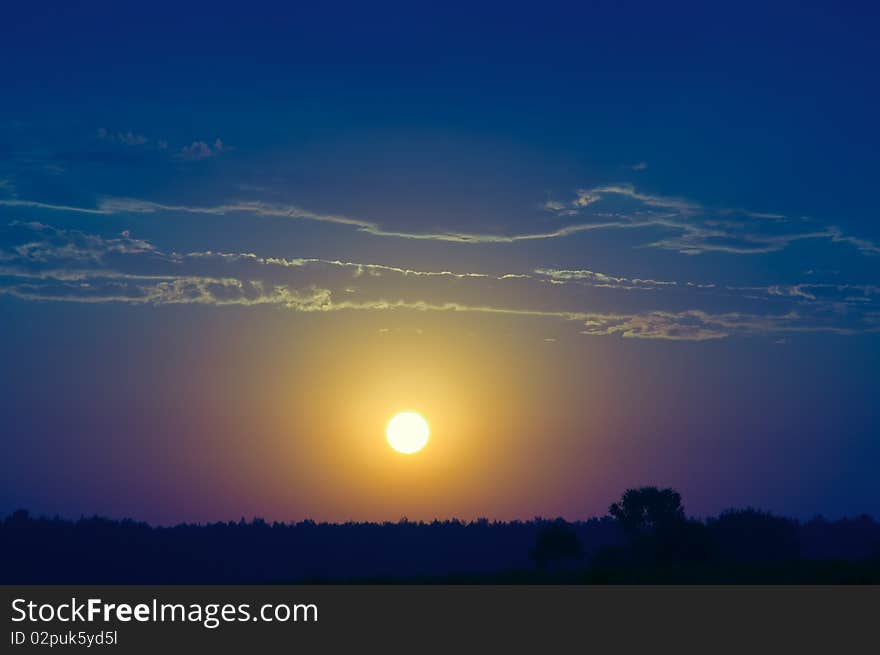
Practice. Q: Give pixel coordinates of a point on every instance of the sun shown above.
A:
(407, 432)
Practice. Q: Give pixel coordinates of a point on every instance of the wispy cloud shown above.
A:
(682, 205)
(696, 229)
(52, 244)
(681, 326)
(697, 325)
(193, 152)
(128, 138)
(558, 208)
(34, 204)
(52, 264)
(267, 210)
(603, 280)
(202, 150)
(585, 198)
(691, 228)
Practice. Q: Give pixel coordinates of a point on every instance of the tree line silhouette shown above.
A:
(646, 537)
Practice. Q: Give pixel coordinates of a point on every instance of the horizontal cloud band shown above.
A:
(49, 264)
(693, 228)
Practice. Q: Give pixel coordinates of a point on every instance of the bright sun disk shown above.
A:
(407, 432)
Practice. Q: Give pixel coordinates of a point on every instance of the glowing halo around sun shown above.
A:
(407, 432)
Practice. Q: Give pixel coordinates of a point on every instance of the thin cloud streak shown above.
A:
(698, 230)
(14, 202)
(70, 266)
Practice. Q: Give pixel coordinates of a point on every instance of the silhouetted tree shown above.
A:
(685, 541)
(556, 542)
(744, 546)
(753, 535)
(659, 533)
(648, 510)
(848, 538)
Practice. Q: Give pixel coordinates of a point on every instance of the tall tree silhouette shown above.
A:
(648, 510)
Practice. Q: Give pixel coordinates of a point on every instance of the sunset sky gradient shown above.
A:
(596, 245)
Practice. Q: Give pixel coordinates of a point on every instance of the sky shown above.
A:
(597, 245)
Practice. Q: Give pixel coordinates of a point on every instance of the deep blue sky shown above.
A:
(597, 244)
